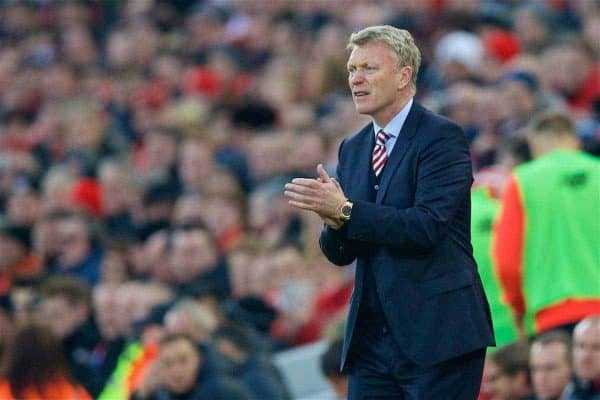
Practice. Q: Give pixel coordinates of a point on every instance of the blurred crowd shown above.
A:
(554, 365)
(144, 145)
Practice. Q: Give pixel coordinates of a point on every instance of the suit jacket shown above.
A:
(416, 238)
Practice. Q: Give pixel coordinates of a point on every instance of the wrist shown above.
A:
(345, 211)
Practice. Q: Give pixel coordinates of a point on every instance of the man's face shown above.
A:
(75, 242)
(586, 351)
(106, 310)
(550, 369)
(496, 385)
(191, 255)
(376, 81)
(179, 362)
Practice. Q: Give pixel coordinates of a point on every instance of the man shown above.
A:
(81, 253)
(546, 248)
(195, 265)
(419, 321)
(507, 375)
(586, 361)
(184, 372)
(248, 365)
(550, 364)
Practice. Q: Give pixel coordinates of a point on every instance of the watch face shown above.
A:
(346, 210)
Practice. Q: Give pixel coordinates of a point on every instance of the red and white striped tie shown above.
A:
(379, 153)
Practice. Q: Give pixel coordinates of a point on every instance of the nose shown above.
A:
(356, 78)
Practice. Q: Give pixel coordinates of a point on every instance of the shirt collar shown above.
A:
(394, 127)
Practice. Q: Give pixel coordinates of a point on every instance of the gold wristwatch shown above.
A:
(346, 211)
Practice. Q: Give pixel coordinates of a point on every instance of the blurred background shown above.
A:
(145, 245)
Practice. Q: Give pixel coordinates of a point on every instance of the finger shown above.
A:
(306, 182)
(299, 197)
(299, 189)
(322, 173)
(301, 205)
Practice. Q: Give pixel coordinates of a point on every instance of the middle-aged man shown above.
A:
(419, 321)
(586, 361)
(550, 364)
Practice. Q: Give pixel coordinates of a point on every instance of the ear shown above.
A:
(406, 73)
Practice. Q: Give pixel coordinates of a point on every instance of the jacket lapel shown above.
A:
(404, 139)
(360, 165)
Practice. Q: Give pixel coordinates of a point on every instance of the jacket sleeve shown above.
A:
(334, 243)
(508, 248)
(443, 182)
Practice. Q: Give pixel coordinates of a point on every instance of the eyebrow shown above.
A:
(361, 65)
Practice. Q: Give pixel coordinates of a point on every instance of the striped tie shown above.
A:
(379, 153)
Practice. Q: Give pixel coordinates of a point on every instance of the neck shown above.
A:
(545, 147)
(387, 115)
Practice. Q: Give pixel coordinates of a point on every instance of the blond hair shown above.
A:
(399, 40)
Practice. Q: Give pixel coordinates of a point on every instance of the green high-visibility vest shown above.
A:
(484, 212)
(560, 192)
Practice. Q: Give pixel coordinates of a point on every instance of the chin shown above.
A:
(363, 109)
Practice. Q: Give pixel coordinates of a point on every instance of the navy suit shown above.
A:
(410, 236)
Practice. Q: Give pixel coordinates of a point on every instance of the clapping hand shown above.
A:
(323, 196)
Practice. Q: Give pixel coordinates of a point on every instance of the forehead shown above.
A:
(175, 348)
(589, 333)
(548, 351)
(378, 52)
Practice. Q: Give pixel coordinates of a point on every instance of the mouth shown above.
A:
(360, 93)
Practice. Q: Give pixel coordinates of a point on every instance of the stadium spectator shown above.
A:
(250, 366)
(182, 373)
(193, 319)
(506, 373)
(550, 364)
(195, 265)
(81, 251)
(586, 361)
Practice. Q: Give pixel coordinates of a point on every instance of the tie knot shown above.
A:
(382, 137)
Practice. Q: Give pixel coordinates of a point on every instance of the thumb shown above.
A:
(322, 173)
(337, 184)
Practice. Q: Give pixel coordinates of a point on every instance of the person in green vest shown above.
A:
(484, 211)
(546, 238)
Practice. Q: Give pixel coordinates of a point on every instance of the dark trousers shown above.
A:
(380, 370)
